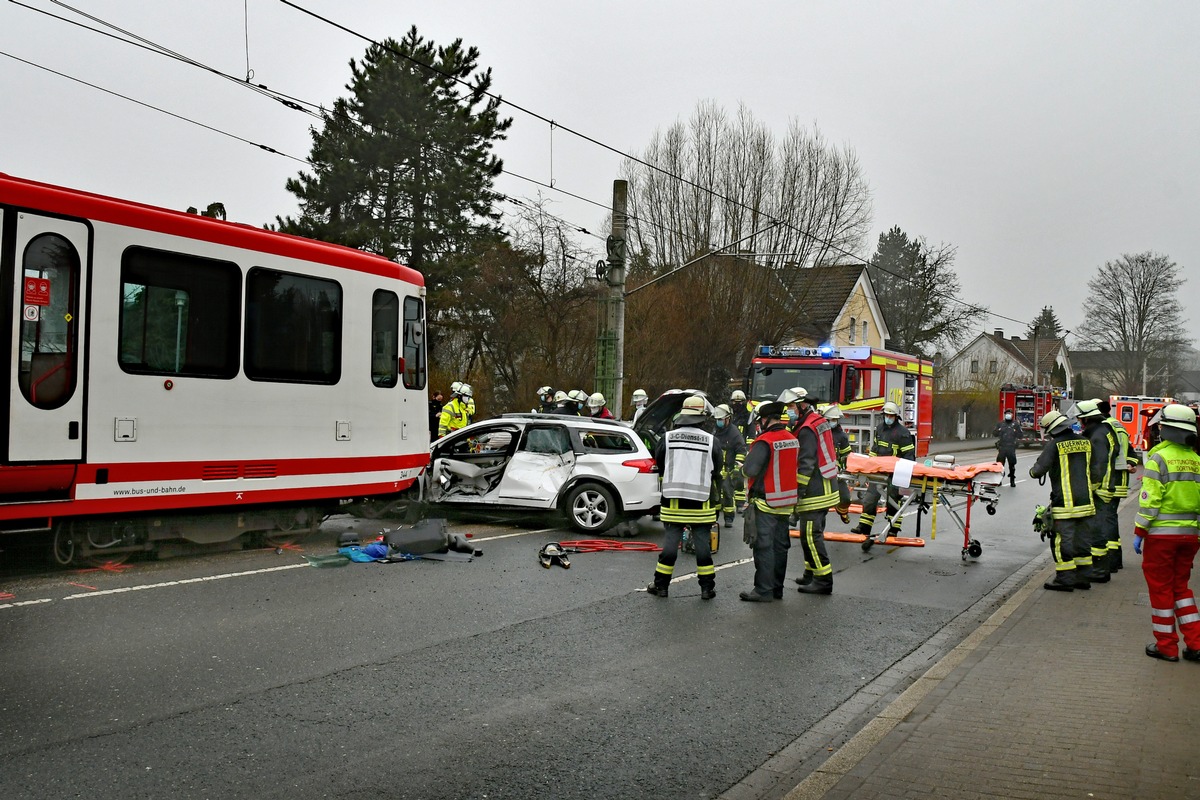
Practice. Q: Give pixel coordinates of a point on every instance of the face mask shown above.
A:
(720, 423)
(888, 419)
(792, 415)
(1008, 417)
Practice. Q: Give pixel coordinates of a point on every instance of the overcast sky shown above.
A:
(1040, 138)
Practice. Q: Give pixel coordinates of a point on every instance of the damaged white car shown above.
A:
(595, 472)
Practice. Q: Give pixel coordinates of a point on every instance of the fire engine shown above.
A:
(859, 379)
(1029, 404)
(1134, 411)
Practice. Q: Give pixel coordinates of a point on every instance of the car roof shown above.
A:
(568, 418)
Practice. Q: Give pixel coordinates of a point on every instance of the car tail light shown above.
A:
(641, 464)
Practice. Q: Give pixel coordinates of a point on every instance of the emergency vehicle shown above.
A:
(1133, 412)
(859, 379)
(1029, 404)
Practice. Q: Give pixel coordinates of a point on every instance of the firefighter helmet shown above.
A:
(578, 396)
(891, 408)
(1053, 421)
(545, 391)
(738, 396)
(1088, 409)
(1176, 415)
(596, 401)
(639, 396)
(722, 412)
(797, 394)
(466, 391)
(693, 406)
(833, 412)
(770, 410)
(560, 396)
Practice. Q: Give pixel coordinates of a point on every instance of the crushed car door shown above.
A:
(537, 471)
(465, 467)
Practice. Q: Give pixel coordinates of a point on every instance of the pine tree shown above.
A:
(403, 166)
(1045, 325)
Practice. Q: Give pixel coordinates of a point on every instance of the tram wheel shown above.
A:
(63, 550)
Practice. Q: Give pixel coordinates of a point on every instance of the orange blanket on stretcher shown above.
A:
(886, 465)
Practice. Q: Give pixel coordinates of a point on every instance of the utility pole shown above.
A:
(610, 344)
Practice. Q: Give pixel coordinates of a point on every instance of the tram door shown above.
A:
(49, 258)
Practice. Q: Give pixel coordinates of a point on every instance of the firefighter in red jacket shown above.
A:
(771, 489)
(816, 473)
(1167, 526)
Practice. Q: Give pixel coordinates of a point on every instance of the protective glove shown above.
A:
(1137, 543)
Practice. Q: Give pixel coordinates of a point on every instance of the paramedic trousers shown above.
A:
(1167, 565)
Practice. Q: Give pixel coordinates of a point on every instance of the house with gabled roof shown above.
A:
(838, 306)
(991, 360)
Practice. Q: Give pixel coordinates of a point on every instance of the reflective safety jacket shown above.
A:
(1123, 459)
(455, 415)
(770, 470)
(688, 471)
(1104, 446)
(1067, 459)
(816, 465)
(841, 443)
(733, 446)
(894, 440)
(1170, 499)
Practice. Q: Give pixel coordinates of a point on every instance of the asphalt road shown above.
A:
(251, 674)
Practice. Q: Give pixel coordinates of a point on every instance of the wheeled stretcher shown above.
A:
(924, 486)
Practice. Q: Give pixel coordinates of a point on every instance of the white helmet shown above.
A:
(577, 396)
(596, 401)
(722, 412)
(639, 397)
(454, 387)
(797, 394)
(545, 390)
(891, 408)
(1054, 421)
(833, 412)
(738, 396)
(465, 390)
(560, 396)
(693, 406)
(1176, 415)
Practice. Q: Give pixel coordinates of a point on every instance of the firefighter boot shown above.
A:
(1100, 570)
(660, 586)
(1064, 581)
(708, 587)
(729, 515)
(822, 584)
(1114, 560)
(805, 579)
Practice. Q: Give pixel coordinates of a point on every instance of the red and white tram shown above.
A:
(177, 377)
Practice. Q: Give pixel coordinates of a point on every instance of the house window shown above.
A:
(853, 325)
(864, 336)
(992, 366)
(974, 366)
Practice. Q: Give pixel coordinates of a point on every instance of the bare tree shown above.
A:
(1132, 311)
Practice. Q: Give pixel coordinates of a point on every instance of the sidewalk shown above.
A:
(1053, 697)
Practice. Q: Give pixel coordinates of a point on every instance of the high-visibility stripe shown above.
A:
(708, 569)
(1187, 619)
(1162, 628)
(665, 569)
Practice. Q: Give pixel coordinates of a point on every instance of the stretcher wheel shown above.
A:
(868, 544)
(991, 511)
(974, 548)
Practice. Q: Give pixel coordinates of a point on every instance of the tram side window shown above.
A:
(49, 343)
(293, 328)
(179, 314)
(385, 339)
(414, 343)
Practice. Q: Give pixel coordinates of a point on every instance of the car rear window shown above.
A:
(607, 442)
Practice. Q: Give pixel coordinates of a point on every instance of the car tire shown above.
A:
(590, 508)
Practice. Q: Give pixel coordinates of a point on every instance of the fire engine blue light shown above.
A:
(764, 349)
(825, 350)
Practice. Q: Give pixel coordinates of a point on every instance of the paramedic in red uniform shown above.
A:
(1166, 534)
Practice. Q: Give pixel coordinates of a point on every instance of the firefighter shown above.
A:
(1066, 459)
(1124, 464)
(741, 409)
(1008, 436)
(1166, 526)
(579, 401)
(639, 400)
(733, 450)
(891, 439)
(597, 407)
(690, 459)
(1104, 453)
(545, 400)
(455, 414)
(816, 474)
(770, 471)
(841, 443)
(561, 402)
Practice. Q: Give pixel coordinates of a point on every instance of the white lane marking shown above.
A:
(26, 603)
(185, 581)
(510, 535)
(690, 575)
